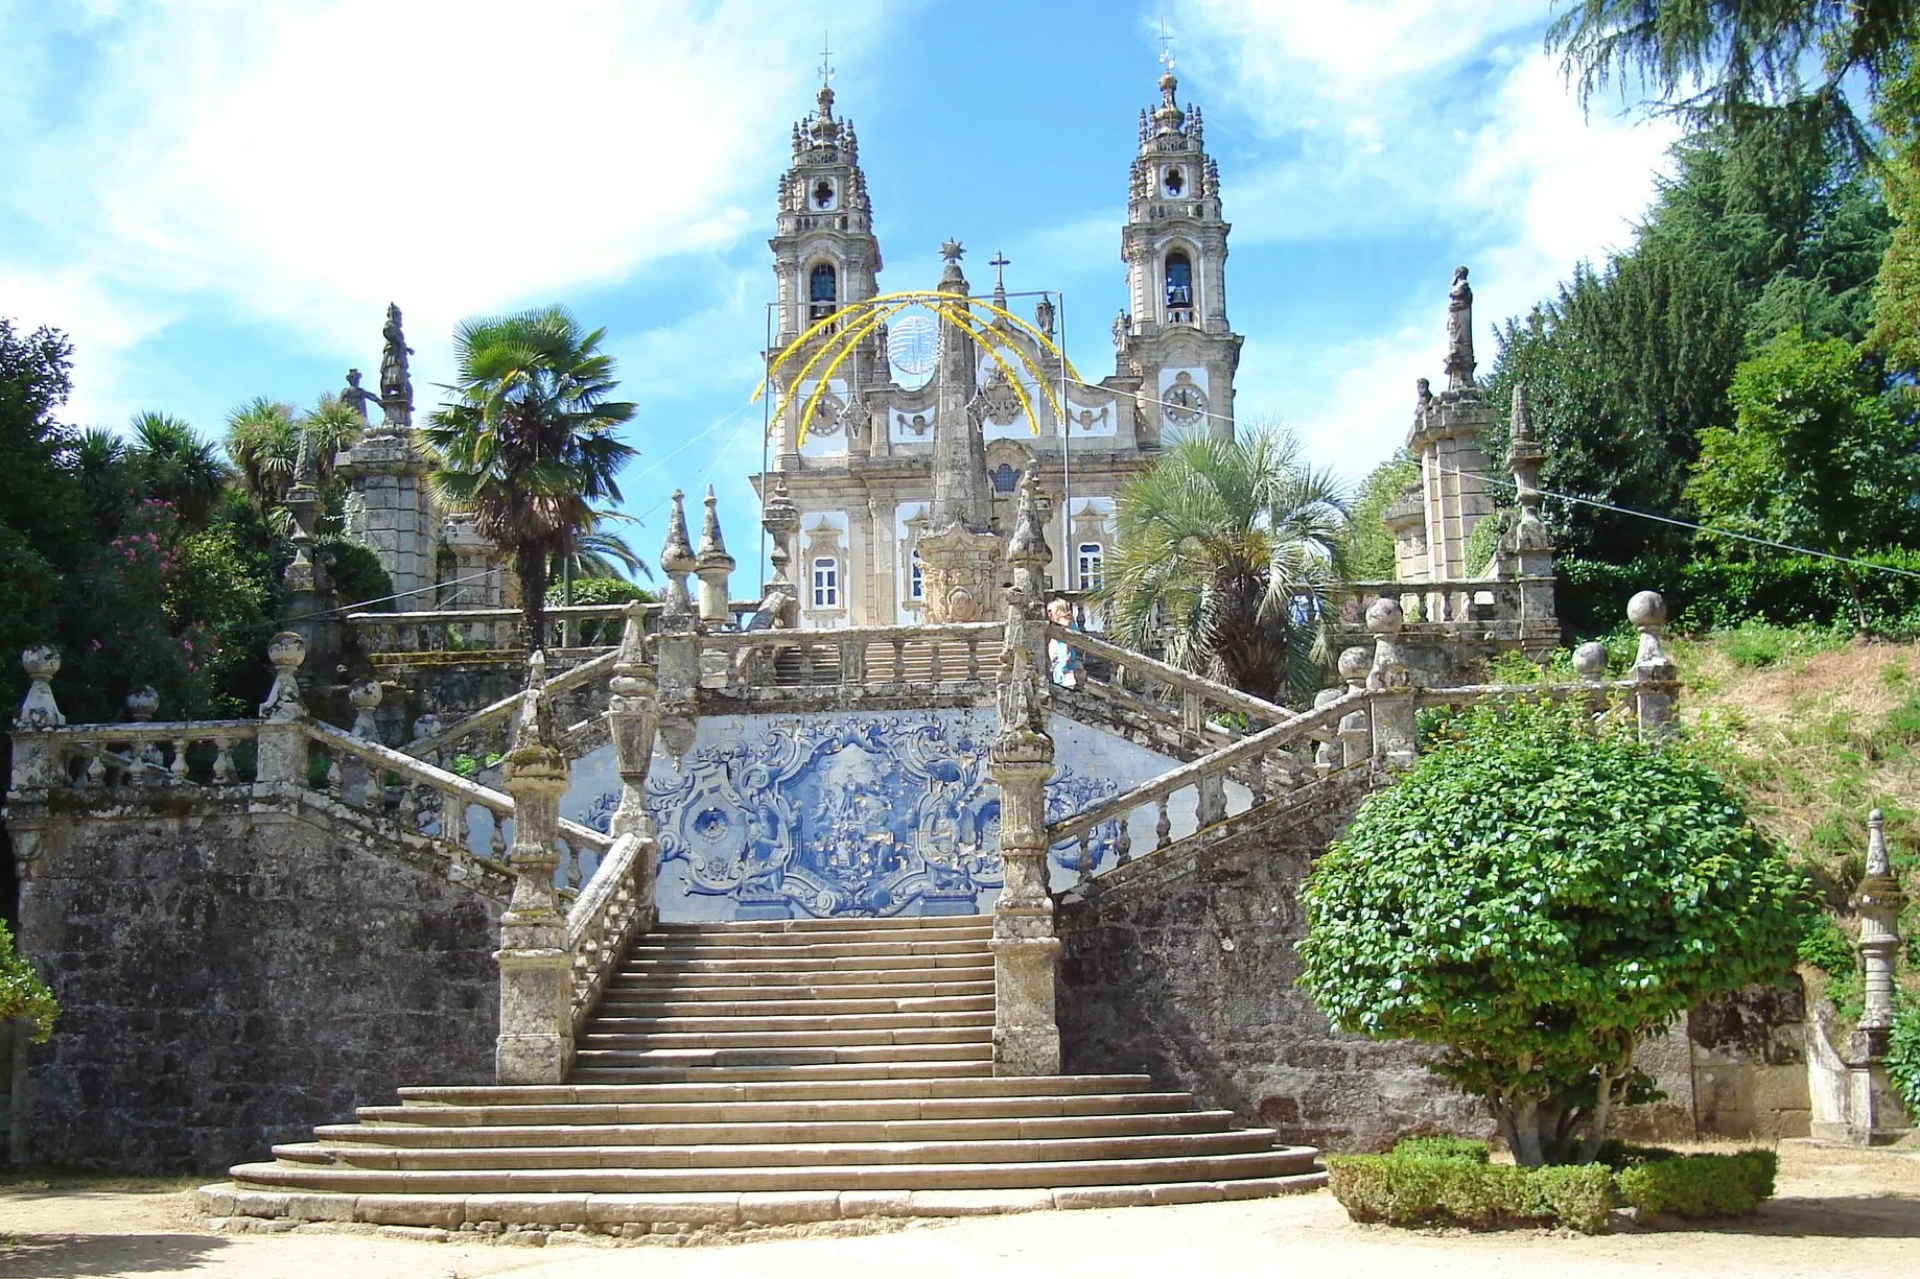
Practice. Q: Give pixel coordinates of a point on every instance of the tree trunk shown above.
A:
(530, 563)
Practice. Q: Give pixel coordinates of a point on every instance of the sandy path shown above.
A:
(1838, 1210)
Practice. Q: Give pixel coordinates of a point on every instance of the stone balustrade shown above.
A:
(609, 911)
(886, 658)
(103, 757)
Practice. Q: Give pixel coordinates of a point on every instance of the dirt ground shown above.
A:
(1838, 1210)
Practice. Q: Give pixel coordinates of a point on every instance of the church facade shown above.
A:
(855, 487)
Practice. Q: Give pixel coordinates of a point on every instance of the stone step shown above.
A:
(1278, 1162)
(836, 924)
(612, 1039)
(725, 1132)
(979, 1048)
(617, 1005)
(860, 982)
(806, 948)
(973, 961)
(628, 1156)
(617, 1069)
(724, 1020)
(974, 933)
(757, 1087)
(819, 1111)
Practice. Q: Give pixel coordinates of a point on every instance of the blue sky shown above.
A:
(217, 199)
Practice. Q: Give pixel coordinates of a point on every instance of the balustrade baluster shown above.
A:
(223, 761)
(1123, 840)
(1210, 799)
(409, 805)
(1086, 856)
(934, 674)
(973, 657)
(179, 766)
(1163, 825)
(96, 771)
(1257, 783)
(899, 660)
(370, 796)
(497, 842)
(853, 662)
(332, 785)
(1192, 716)
(453, 819)
(573, 866)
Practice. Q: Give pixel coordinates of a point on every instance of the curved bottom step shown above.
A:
(634, 1215)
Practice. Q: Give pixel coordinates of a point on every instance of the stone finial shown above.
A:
(677, 559)
(286, 651)
(1354, 664)
(38, 710)
(365, 697)
(142, 702)
(1647, 611)
(1524, 456)
(713, 566)
(1460, 362)
(713, 546)
(1590, 661)
(1385, 617)
(1878, 903)
(1878, 866)
(779, 515)
(1028, 545)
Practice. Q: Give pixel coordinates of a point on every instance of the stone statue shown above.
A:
(1043, 315)
(1423, 397)
(355, 396)
(1122, 326)
(396, 387)
(1459, 332)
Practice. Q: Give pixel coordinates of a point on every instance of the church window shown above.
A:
(1179, 288)
(916, 580)
(1005, 478)
(823, 291)
(1092, 566)
(823, 194)
(826, 583)
(1176, 182)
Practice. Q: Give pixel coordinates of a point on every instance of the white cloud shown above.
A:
(1418, 120)
(301, 164)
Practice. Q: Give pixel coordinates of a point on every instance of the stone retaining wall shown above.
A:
(230, 978)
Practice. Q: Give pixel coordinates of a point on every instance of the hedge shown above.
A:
(1448, 1181)
(1706, 592)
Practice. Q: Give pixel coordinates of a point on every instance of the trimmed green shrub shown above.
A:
(1464, 1149)
(359, 580)
(1405, 1189)
(1700, 1185)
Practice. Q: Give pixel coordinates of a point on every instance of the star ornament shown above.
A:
(952, 251)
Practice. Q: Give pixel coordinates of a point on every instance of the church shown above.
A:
(854, 459)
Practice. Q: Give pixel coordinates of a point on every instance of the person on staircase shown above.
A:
(1062, 657)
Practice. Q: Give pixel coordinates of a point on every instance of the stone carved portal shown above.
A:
(860, 815)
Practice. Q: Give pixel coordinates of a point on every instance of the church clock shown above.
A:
(1184, 402)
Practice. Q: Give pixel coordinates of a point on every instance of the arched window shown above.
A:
(1179, 288)
(1092, 566)
(826, 583)
(823, 292)
(1005, 478)
(916, 580)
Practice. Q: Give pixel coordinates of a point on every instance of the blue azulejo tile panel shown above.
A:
(875, 814)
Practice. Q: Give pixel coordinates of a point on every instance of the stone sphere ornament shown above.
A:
(1385, 617)
(1355, 662)
(286, 651)
(1590, 660)
(142, 702)
(1647, 609)
(42, 662)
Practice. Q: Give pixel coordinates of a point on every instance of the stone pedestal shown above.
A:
(1395, 734)
(960, 573)
(480, 569)
(390, 510)
(535, 1045)
(1026, 1030)
(1453, 477)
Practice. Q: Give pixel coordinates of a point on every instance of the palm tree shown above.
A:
(176, 465)
(527, 443)
(1225, 550)
(263, 441)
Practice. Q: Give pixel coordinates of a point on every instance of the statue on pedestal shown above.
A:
(1459, 332)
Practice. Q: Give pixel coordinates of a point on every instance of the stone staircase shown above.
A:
(768, 1074)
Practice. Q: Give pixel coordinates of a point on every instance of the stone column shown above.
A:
(1875, 1115)
(536, 972)
(633, 719)
(280, 756)
(713, 566)
(1655, 677)
(1395, 743)
(678, 646)
(959, 554)
(1026, 1032)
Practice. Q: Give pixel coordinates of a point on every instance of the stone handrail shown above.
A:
(603, 920)
(432, 631)
(869, 656)
(1451, 601)
(501, 712)
(143, 753)
(1207, 774)
(432, 800)
(1196, 692)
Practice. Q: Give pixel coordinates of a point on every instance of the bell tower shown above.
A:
(1175, 339)
(824, 254)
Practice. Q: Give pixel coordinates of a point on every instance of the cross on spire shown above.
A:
(1000, 262)
(1166, 47)
(826, 59)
